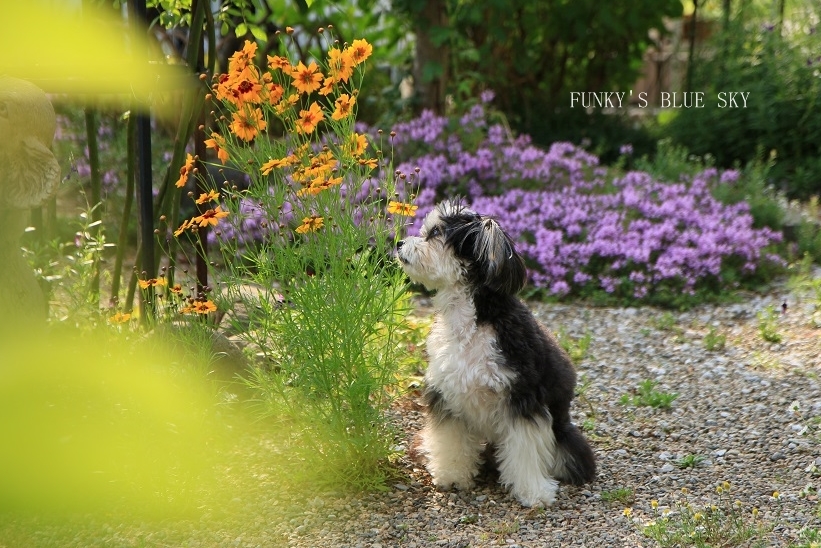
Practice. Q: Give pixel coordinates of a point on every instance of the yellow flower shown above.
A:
(306, 79)
(309, 119)
(360, 50)
(245, 87)
(210, 217)
(275, 163)
(153, 282)
(726, 485)
(755, 512)
(275, 62)
(246, 123)
(210, 196)
(654, 503)
(243, 58)
(340, 64)
(200, 307)
(697, 516)
(344, 106)
(327, 86)
(217, 142)
(776, 495)
(185, 171)
(370, 162)
(183, 227)
(177, 289)
(120, 317)
(403, 209)
(310, 224)
(359, 144)
(627, 512)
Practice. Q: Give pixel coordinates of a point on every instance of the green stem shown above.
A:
(122, 240)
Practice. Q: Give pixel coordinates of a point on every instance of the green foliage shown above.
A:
(782, 120)
(689, 461)
(576, 348)
(646, 395)
(714, 340)
(622, 495)
(768, 325)
(726, 522)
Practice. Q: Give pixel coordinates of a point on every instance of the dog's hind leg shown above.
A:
(526, 452)
(453, 452)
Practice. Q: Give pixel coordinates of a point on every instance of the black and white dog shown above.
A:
(495, 374)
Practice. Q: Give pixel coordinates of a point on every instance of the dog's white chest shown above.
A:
(466, 367)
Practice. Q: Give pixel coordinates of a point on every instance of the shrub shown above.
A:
(585, 230)
(319, 299)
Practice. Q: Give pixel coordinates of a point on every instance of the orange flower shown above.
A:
(185, 171)
(177, 289)
(359, 144)
(217, 142)
(275, 62)
(370, 162)
(399, 208)
(210, 217)
(153, 282)
(289, 101)
(183, 227)
(360, 50)
(200, 307)
(327, 86)
(340, 64)
(308, 119)
(243, 58)
(120, 317)
(275, 163)
(245, 87)
(246, 123)
(310, 224)
(211, 195)
(344, 106)
(306, 79)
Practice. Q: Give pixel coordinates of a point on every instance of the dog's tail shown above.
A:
(575, 462)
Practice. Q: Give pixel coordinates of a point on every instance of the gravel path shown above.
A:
(736, 409)
(748, 414)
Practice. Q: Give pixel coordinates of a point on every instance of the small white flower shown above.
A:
(795, 408)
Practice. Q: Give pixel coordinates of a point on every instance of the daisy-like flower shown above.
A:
(210, 217)
(176, 289)
(243, 58)
(153, 282)
(309, 119)
(275, 62)
(654, 503)
(200, 307)
(359, 51)
(120, 317)
(344, 106)
(185, 171)
(246, 87)
(306, 79)
(340, 64)
(627, 512)
(283, 106)
(210, 196)
(246, 123)
(369, 162)
(217, 142)
(275, 163)
(183, 227)
(359, 144)
(403, 209)
(310, 224)
(327, 86)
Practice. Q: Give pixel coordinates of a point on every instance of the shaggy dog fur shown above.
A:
(495, 375)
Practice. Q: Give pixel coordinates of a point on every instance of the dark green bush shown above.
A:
(782, 120)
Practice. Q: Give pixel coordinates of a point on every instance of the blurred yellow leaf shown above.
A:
(89, 52)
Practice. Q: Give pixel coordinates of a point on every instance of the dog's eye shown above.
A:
(433, 233)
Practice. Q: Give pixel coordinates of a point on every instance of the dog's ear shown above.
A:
(503, 269)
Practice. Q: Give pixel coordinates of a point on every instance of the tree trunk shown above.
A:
(432, 64)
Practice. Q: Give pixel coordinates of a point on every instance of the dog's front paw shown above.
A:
(541, 494)
(446, 483)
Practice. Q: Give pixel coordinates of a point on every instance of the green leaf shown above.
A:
(241, 30)
(259, 33)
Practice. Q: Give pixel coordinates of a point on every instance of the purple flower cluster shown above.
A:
(577, 226)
